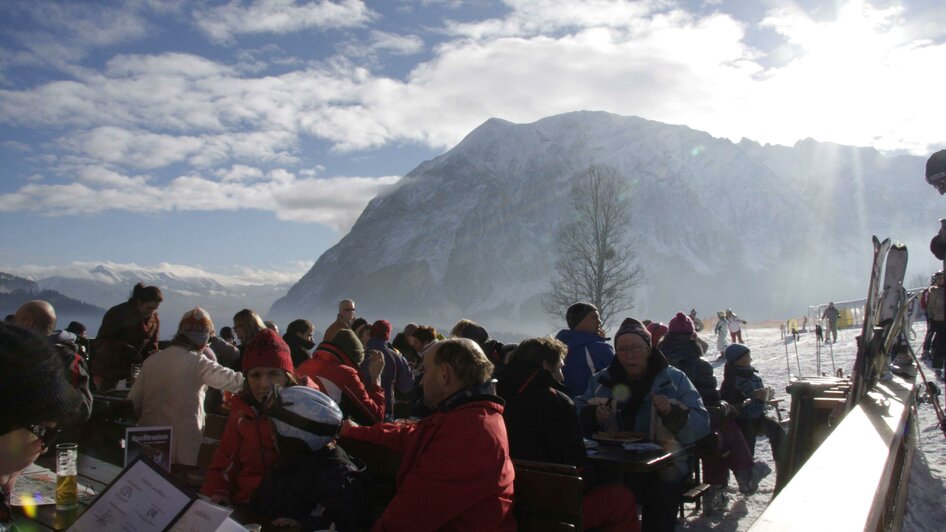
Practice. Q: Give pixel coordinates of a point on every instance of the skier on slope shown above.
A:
(721, 329)
(735, 324)
(831, 314)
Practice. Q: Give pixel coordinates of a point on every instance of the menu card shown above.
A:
(152, 442)
(142, 498)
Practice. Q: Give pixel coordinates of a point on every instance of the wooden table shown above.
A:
(613, 458)
(93, 473)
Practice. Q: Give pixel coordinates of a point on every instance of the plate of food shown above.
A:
(618, 438)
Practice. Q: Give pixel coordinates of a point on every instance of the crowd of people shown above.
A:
(474, 405)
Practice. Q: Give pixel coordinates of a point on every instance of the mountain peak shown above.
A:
(471, 233)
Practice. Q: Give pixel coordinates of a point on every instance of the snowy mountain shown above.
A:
(107, 284)
(15, 290)
(766, 230)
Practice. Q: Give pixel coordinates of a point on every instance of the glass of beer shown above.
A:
(67, 483)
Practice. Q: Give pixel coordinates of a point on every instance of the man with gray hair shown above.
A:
(346, 315)
(40, 317)
(466, 432)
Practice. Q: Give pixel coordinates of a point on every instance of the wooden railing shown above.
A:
(857, 479)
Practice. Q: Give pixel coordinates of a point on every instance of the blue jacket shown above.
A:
(738, 385)
(395, 375)
(670, 382)
(688, 426)
(588, 353)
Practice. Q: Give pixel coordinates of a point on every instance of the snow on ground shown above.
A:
(927, 491)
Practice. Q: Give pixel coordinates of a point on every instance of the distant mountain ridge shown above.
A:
(106, 285)
(766, 230)
(15, 290)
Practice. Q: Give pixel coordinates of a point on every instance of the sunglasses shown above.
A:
(47, 435)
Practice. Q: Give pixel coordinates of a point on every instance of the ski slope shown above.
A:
(925, 511)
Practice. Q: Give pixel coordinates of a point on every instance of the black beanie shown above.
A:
(632, 326)
(33, 383)
(577, 312)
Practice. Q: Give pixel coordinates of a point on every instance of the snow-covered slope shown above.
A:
(764, 229)
(924, 512)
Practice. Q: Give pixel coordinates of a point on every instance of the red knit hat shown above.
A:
(380, 329)
(267, 350)
(657, 331)
(681, 323)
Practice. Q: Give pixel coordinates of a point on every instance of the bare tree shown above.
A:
(595, 262)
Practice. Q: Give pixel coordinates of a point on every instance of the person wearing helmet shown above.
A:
(742, 387)
(314, 483)
(247, 447)
(456, 473)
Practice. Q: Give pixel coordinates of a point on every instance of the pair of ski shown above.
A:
(884, 314)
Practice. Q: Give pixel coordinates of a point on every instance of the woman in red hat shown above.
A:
(248, 446)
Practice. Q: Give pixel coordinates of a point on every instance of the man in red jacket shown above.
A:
(456, 473)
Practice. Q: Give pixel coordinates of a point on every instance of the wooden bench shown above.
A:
(693, 488)
(548, 497)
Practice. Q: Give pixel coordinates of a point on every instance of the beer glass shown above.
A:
(67, 484)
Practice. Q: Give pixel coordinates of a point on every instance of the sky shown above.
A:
(247, 136)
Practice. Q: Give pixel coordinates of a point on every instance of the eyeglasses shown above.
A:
(45, 434)
(635, 351)
(348, 309)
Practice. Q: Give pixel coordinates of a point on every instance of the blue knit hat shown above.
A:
(735, 351)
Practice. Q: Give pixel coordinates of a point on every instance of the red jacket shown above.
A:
(455, 474)
(337, 375)
(247, 449)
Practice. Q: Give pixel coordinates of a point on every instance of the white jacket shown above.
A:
(170, 391)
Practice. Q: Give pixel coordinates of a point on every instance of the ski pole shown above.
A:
(940, 416)
(788, 362)
(831, 348)
(797, 360)
(817, 358)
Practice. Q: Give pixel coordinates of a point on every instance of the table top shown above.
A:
(616, 457)
(92, 472)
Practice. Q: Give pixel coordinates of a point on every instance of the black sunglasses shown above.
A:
(47, 435)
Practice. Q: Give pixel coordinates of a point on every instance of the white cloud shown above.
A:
(867, 77)
(335, 202)
(70, 30)
(135, 149)
(395, 43)
(223, 23)
(239, 172)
